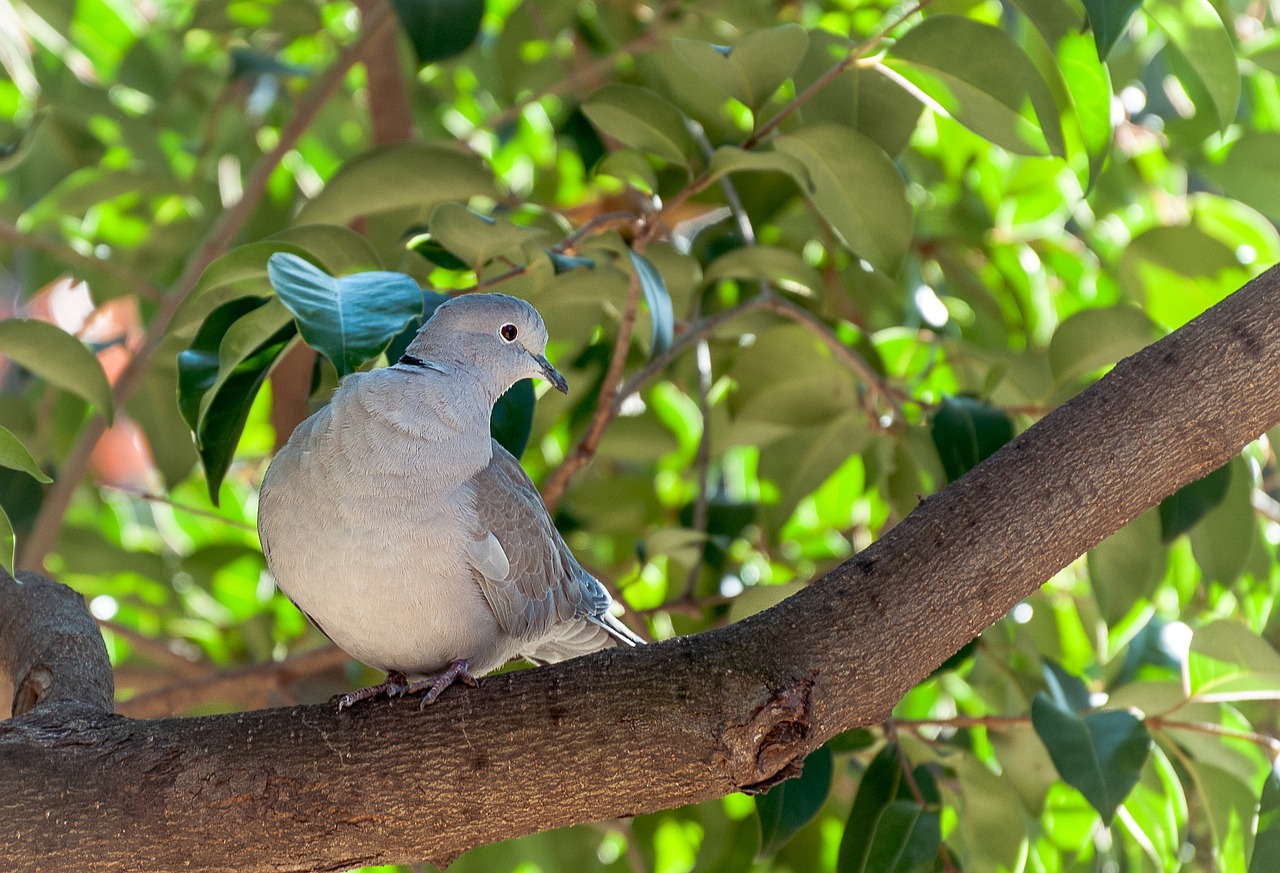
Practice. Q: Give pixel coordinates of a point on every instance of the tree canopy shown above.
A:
(805, 265)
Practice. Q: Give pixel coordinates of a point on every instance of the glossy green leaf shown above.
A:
(643, 120)
(887, 830)
(439, 29)
(857, 189)
(1199, 35)
(966, 432)
(1227, 661)
(219, 422)
(1127, 566)
(477, 239)
(792, 804)
(1101, 754)
(658, 300)
(907, 839)
(1107, 20)
(14, 455)
(512, 418)
(1266, 845)
(241, 341)
(754, 67)
(1095, 338)
(350, 319)
(949, 58)
(415, 176)
(1067, 690)
(58, 358)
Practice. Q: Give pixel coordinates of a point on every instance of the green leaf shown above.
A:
(241, 341)
(631, 167)
(1101, 755)
(966, 432)
(991, 817)
(1228, 804)
(218, 427)
(781, 267)
(1107, 19)
(14, 455)
(1065, 689)
(58, 358)
(643, 120)
(350, 319)
(857, 189)
(1196, 31)
(979, 76)
(1089, 90)
(1126, 568)
(800, 461)
(512, 418)
(439, 29)
(790, 805)
(1224, 538)
(1095, 338)
(731, 159)
(1250, 172)
(661, 317)
(7, 542)
(474, 238)
(887, 829)
(754, 68)
(412, 176)
(1266, 846)
(1226, 662)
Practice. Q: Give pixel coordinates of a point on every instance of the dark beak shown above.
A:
(551, 374)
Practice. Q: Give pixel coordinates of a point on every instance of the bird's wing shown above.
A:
(527, 574)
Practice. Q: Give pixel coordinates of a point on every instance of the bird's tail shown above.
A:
(617, 629)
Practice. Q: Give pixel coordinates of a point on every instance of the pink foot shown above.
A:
(455, 672)
(395, 685)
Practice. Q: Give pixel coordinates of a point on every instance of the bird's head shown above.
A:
(501, 336)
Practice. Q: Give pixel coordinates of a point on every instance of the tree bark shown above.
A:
(629, 731)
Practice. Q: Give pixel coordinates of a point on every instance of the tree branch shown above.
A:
(627, 731)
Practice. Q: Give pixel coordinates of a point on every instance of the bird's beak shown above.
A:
(551, 374)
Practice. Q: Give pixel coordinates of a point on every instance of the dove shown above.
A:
(414, 540)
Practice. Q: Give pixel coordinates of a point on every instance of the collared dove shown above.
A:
(411, 538)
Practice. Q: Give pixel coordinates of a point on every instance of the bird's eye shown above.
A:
(508, 332)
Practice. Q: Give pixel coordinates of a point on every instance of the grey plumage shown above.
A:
(409, 536)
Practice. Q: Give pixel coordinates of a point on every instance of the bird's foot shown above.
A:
(395, 685)
(434, 685)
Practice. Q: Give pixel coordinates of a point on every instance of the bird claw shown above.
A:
(435, 685)
(395, 685)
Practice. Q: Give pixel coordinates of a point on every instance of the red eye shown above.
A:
(508, 332)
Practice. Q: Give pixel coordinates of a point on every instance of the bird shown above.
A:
(414, 540)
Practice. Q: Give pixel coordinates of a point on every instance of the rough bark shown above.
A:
(624, 732)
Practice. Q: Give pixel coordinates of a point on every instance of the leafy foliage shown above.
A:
(802, 264)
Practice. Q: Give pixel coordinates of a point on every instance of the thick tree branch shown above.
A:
(628, 731)
(50, 646)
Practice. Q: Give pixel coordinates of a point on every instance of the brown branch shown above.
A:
(244, 686)
(50, 647)
(225, 229)
(628, 731)
(606, 406)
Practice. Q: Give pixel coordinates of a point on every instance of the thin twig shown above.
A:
(606, 407)
(151, 497)
(217, 240)
(157, 650)
(71, 257)
(702, 463)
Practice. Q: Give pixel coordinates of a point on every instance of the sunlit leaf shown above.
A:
(1094, 338)
(754, 67)
(1266, 845)
(642, 119)
(1227, 661)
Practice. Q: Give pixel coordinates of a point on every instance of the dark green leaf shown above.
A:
(58, 358)
(1183, 508)
(512, 419)
(754, 68)
(792, 804)
(643, 120)
(439, 29)
(907, 839)
(852, 740)
(431, 249)
(1266, 846)
(431, 301)
(1101, 755)
(661, 318)
(14, 455)
(1107, 19)
(350, 319)
(474, 238)
(217, 429)
(857, 189)
(1224, 538)
(1067, 690)
(966, 431)
(887, 829)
